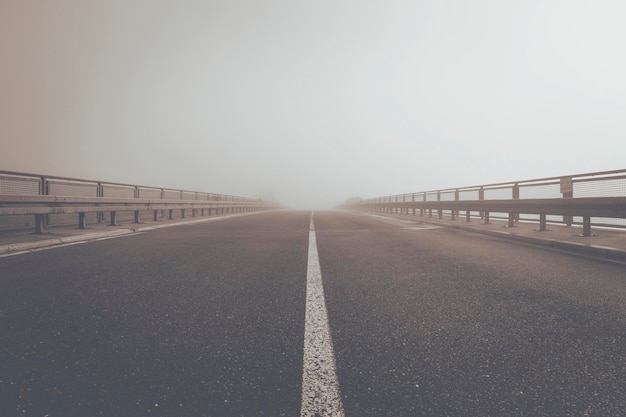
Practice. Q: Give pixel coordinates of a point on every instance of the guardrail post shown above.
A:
(456, 198)
(486, 217)
(422, 209)
(155, 215)
(511, 219)
(542, 223)
(567, 189)
(137, 217)
(100, 193)
(440, 210)
(467, 216)
(515, 197)
(413, 200)
(113, 218)
(182, 213)
(171, 214)
(481, 197)
(45, 188)
(39, 223)
(82, 223)
(586, 226)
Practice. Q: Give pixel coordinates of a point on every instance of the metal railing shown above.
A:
(592, 199)
(28, 200)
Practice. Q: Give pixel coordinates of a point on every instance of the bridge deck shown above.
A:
(209, 319)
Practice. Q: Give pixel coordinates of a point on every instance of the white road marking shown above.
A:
(320, 387)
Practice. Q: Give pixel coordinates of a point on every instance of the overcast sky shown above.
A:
(312, 101)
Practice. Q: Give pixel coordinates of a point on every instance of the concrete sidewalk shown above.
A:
(607, 244)
(20, 241)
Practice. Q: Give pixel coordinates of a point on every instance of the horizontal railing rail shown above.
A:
(24, 195)
(614, 207)
(18, 205)
(597, 198)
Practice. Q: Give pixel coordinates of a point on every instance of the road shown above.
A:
(209, 320)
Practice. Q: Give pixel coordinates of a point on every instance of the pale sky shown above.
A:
(312, 101)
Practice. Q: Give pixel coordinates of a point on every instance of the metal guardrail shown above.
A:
(597, 199)
(39, 199)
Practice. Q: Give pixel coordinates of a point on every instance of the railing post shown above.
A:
(46, 191)
(514, 217)
(82, 222)
(440, 210)
(100, 193)
(567, 189)
(137, 217)
(155, 215)
(481, 197)
(456, 198)
(40, 219)
(542, 223)
(113, 218)
(586, 226)
(486, 217)
(511, 219)
(39, 223)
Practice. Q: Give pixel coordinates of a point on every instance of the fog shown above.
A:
(312, 102)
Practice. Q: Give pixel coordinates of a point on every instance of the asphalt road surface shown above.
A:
(209, 320)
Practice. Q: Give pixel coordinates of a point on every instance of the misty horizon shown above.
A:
(312, 103)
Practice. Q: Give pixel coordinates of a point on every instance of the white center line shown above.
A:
(320, 388)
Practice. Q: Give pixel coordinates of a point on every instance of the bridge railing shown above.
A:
(31, 200)
(591, 199)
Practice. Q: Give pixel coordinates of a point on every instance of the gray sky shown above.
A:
(312, 101)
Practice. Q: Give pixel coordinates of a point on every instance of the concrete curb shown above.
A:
(592, 251)
(601, 252)
(16, 248)
(29, 246)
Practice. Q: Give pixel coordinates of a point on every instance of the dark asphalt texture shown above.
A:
(208, 320)
(203, 320)
(442, 323)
